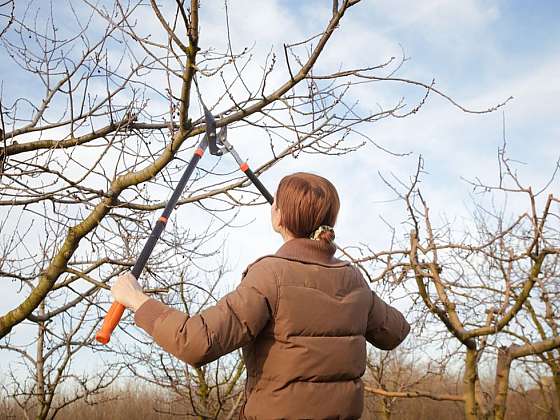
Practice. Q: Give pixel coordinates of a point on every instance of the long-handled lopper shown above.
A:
(209, 140)
(115, 313)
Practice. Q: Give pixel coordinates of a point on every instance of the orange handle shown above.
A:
(110, 323)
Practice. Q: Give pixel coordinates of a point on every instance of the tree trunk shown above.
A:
(502, 383)
(40, 386)
(384, 409)
(469, 382)
(556, 393)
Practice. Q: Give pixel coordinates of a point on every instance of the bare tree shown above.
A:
(482, 284)
(110, 114)
(212, 391)
(402, 374)
(49, 383)
(542, 322)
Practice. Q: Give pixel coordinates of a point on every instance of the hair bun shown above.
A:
(323, 233)
(327, 235)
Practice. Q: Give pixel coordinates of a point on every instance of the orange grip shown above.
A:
(109, 323)
(244, 166)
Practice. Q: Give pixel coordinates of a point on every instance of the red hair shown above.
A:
(307, 201)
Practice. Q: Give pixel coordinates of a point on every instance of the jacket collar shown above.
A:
(310, 251)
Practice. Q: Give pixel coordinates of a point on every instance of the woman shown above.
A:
(302, 316)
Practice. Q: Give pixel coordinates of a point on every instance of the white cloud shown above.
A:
(437, 15)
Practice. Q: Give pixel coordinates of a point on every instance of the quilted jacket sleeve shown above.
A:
(234, 321)
(386, 327)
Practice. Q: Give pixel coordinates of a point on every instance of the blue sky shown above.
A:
(480, 53)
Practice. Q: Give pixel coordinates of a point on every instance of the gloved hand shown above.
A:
(128, 292)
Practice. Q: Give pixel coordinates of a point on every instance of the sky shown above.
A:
(478, 52)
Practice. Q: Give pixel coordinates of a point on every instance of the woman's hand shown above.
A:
(128, 292)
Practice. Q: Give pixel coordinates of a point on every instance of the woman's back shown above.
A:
(308, 360)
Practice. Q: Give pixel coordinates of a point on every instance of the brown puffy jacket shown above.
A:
(303, 318)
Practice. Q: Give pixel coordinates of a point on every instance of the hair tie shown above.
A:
(323, 228)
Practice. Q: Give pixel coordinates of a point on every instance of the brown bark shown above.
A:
(40, 386)
(470, 379)
(415, 394)
(502, 383)
(384, 410)
(556, 393)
